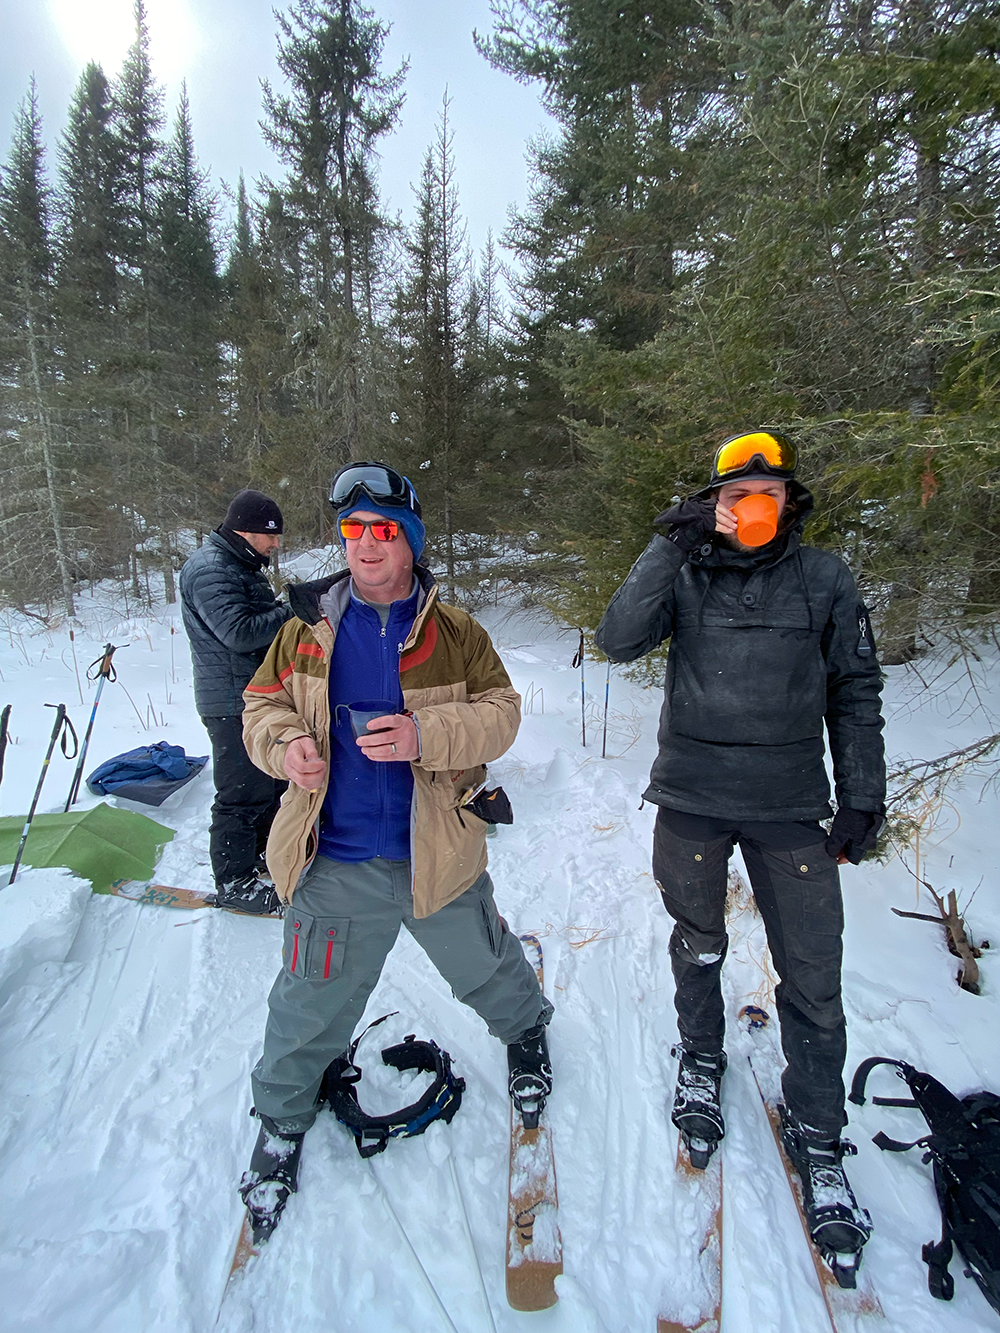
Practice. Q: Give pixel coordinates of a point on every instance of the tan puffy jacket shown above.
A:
(463, 702)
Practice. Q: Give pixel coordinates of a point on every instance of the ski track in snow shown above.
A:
(128, 1035)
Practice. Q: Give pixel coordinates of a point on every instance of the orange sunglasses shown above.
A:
(382, 529)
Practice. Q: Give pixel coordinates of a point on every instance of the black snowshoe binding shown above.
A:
(838, 1226)
(530, 1079)
(272, 1177)
(697, 1110)
(253, 895)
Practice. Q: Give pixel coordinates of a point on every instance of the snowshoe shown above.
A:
(838, 1226)
(697, 1109)
(272, 1177)
(250, 896)
(530, 1079)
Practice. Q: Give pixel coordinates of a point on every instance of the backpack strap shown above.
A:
(894, 1145)
(937, 1257)
(860, 1080)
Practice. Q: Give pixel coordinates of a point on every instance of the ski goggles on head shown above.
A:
(382, 529)
(758, 453)
(377, 481)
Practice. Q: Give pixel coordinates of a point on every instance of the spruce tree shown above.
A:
(138, 119)
(35, 542)
(324, 129)
(186, 306)
(87, 297)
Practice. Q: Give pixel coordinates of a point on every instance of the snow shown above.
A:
(127, 1035)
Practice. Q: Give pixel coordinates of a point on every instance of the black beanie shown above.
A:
(252, 512)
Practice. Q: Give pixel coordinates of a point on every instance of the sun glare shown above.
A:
(103, 30)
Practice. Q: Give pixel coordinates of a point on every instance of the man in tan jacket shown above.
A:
(375, 830)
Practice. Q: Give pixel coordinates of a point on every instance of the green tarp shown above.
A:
(103, 844)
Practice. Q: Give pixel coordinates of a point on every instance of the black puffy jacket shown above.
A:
(231, 615)
(765, 647)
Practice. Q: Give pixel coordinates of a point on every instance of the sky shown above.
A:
(223, 48)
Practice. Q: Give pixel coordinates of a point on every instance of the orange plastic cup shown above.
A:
(756, 519)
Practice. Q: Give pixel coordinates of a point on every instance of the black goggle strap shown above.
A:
(380, 483)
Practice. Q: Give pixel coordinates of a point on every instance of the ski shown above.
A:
(159, 895)
(534, 1245)
(848, 1308)
(699, 1309)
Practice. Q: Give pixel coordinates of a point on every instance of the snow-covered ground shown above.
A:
(128, 1035)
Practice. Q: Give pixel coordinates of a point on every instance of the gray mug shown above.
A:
(365, 711)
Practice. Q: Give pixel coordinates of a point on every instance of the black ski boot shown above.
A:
(272, 1177)
(697, 1110)
(250, 896)
(838, 1226)
(530, 1080)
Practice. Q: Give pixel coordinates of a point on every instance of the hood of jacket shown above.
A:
(306, 599)
(799, 506)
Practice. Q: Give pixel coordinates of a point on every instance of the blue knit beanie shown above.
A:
(416, 533)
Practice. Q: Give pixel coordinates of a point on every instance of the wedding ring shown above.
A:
(394, 747)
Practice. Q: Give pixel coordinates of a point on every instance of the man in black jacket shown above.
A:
(231, 616)
(769, 642)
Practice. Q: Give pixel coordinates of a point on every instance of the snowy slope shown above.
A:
(128, 1035)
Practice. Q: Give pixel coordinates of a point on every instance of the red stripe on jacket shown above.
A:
(272, 689)
(421, 654)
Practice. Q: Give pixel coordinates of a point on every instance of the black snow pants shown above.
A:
(246, 801)
(797, 889)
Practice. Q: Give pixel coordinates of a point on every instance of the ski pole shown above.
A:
(607, 691)
(61, 725)
(4, 729)
(578, 662)
(472, 1243)
(432, 1290)
(100, 670)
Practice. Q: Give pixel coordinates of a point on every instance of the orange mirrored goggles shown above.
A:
(772, 453)
(382, 529)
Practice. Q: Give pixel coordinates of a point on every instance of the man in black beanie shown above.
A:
(231, 615)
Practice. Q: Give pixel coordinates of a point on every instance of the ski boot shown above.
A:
(838, 1226)
(272, 1177)
(530, 1079)
(252, 895)
(697, 1111)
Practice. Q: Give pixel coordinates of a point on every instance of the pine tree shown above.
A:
(34, 530)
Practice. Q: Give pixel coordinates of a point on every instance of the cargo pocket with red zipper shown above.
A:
(315, 945)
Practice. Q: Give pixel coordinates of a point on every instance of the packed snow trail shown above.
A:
(127, 1035)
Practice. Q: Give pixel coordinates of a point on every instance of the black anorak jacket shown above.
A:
(765, 647)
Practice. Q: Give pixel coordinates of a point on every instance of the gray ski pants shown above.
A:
(340, 927)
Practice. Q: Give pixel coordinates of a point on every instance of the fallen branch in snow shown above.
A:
(956, 935)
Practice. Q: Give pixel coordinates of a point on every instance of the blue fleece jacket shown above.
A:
(366, 812)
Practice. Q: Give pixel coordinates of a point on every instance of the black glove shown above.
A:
(853, 833)
(688, 524)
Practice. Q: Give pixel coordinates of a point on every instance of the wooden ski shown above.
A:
(848, 1308)
(159, 895)
(699, 1310)
(534, 1245)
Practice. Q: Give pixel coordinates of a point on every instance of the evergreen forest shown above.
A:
(749, 213)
